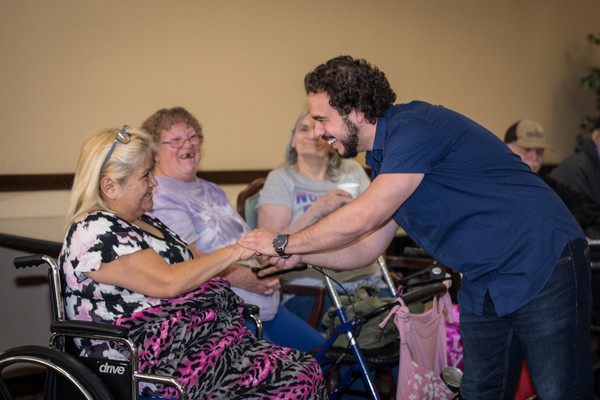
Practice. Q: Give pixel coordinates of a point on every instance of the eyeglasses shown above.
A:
(180, 142)
(122, 137)
(538, 151)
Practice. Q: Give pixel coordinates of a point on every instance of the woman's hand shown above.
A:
(244, 253)
(242, 277)
(331, 201)
(269, 285)
(278, 217)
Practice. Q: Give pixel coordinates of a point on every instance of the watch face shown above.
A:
(280, 241)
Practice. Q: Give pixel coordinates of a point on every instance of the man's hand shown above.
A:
(261, 241)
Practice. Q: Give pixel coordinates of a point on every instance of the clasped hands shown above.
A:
(261, 241)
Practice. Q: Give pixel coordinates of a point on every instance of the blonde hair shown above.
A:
(126, 158)
(291, 155)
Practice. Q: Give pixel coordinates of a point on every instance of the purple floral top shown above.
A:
(200, 213)
(101, 237)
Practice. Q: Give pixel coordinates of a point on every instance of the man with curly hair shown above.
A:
(463, 196)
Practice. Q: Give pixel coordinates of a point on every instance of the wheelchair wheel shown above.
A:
(73, 375)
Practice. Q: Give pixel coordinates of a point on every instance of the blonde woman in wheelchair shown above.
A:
(121, 265)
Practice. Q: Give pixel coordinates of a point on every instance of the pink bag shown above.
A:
(423, 353)
(453, 340)
(426, 385)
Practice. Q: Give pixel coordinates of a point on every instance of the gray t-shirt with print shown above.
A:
(287, 187)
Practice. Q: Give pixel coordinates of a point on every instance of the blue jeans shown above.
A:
(552, 333)
(287, 330)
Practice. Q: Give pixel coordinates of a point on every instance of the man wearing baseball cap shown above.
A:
(581, 171)
(527, 139)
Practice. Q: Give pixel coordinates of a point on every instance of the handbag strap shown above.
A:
(443, 304)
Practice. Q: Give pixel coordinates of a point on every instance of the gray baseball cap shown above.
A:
(527, 134)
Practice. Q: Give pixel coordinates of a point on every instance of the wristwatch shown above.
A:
(279, 244)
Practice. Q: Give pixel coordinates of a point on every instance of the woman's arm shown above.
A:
(274, 216)
(278, 217)
(242, 277)
(146, 272)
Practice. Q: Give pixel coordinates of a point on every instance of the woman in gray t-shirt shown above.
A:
(304, 191)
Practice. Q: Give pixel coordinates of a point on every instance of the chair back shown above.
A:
(247, 199)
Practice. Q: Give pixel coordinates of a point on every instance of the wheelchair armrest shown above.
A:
(250, 310)
(76, 328)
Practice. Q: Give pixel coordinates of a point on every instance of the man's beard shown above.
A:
(350, 142)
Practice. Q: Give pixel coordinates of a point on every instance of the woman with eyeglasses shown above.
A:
(200, 213)
(122, 265)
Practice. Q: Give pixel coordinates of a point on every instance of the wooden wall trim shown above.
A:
(25, 183)
(29, 245)
(18, 183)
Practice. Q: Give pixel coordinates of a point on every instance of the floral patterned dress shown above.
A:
(198, 338)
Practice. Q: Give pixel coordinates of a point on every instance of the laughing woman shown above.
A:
(123, 266)
(199, 212)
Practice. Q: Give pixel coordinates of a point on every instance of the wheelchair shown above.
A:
(71, 377)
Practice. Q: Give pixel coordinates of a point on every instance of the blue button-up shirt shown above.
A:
(479, 210)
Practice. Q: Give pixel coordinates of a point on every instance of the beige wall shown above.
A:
(54, 203)
(70, 68)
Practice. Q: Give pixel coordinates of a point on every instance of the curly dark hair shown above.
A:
(352, 84)
(165, 118)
